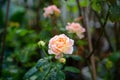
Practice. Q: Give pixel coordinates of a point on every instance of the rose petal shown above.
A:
(59, 56)
(80, 35)
(69, 50)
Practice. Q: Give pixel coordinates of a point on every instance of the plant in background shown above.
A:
(51, 10)
(75, 28)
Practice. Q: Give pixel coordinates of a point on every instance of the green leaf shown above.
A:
(59, 65)
(71, 69)
(71, 3)
(31, 72)
(81, 42)
(43, 62)
(55, 74)
(60, 75)
(84, 3)
(22, 32)
(115, 13)
(18, 16)
(76, 57)
(44, 74)
(96, 6)
(114, 57)
(52, 75)
(41, 69)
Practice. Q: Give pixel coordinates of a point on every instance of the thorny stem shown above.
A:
(4, 37)
(44, 52)
(44, 78)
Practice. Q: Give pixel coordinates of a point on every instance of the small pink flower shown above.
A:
(60, 44)
(51, 10)
(75, 28)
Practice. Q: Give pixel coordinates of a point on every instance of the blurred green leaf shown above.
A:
(45, 72)
(59, 65)
(18, 16)
(76, 57)
(71, 69)
(115, 13)
(84, 3)
(30, 72)
(114, 57)
(96, 5)
(43, 62)
(109, 64)
(81, 42)
(22, 32)
(71, 3)
(55, 73)
(41, 69)
(60, 75)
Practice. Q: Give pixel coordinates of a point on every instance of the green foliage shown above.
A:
(115, 12)
(71, 69)
(55, 74)
(1, 18)
(76, 57)
(46, 70)
(31, 72)
(21, 49)
(114, 57)
(71, 5)
(81, 42)
(109, 64)
(18, 16)
(96, 5)
(84, 3)
(44, 61)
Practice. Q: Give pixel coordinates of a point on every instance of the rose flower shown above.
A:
(75, 28)
(51, 10)
(60, 44)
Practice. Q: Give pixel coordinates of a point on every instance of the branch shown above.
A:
(116, 31)
(4, 37)
(92, 60)
(79, 9)
(101, 34)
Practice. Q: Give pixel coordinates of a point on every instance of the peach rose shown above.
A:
(51, 10)
(60, 44)
(75, 28)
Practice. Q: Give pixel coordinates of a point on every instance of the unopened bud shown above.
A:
(41, 43)
(62, 60)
